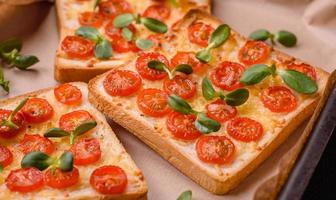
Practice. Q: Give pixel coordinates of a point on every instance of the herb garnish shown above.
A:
(285, 38)
(184, 68)
(9, 122)
(186, 195)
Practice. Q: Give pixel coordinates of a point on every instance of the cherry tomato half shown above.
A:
(60, 179)
(109, 180)
(227, 75)
(8, 132)
(245, 129)
(278, 99)
(24, 180)
(93, 19)
(199, 33)
(182, 126)
(113, 8)
(68, 94)
(71, 120)
(253, 52)
(188, 58)
(180, 85)
(220, 111)
(305, 69)
(36, 142)
(37, 110)
(158, 11)
(6, 156)
(86, 151)
(122, 83)
(77, 47)
(215, 149)
(145, 71)
(153, 102)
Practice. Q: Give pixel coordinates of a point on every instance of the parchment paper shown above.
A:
(314, 22)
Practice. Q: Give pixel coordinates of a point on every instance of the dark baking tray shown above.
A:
(311, 154)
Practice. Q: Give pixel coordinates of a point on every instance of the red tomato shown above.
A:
(8, 132)
(182, 126)
(36, 142)
(188, 58)
(68, 94)
(215, 149)
(305, 69)
(122, 83)
(153, 102)
(77, 47)
(278, 99)
(145, 71)
(24, 180)
(199, 33)
(158, 11)
(113, 8)
(253, 52)
(93, 19)
(37, 110)
(109, 180)
(245, 129)
(71, 120)
(227, 75)
(60, 180)
(180, 85)
(119, 44)
(6, 156)
(220, 111)
(86, 151)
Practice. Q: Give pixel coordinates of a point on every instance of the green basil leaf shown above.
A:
(36, 159)
(23, 62)
(144, 44)
(81, 129)
(103, 49)
(55, 132)
(179, 105)
(184, 68)
(3, 83)
(9, 122)
(261, 35)
(186, 195)
(10, 44)
(206, 125)
(9, 56)
(154, 25)
(127, 34)
(237, 97)
(89, 33)
(65, 162)
(255, 74)
(123, 20)
(298, 81)
(204, 56)
(286, 38)
(157, 65)
(207, 90)
(219, 36)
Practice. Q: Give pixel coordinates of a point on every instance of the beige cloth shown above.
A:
(314, 22)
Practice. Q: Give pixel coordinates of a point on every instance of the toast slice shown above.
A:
(216, 178)
(112, 152)
(69, 69)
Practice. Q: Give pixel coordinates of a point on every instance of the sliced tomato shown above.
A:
(158, 11)
(180, 85)
(245, 129)
(24, 180)
(36, 142)
(199, 33)
(113, 8)
(305, 69)
(93, 19)
(278, 99)
(71, 120)
(109, 180)
(119, 44)
(77, 47)
(122, 82)
(227, 75)
(6, 156)
(182, 126)
(86, 151)
(68, 94)
(37, 110)
(145, 71)
(60, 179)
(8, 132)
(153, 102)
(188, 58)
(220, 111)
(253, 52)
(215, 149)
